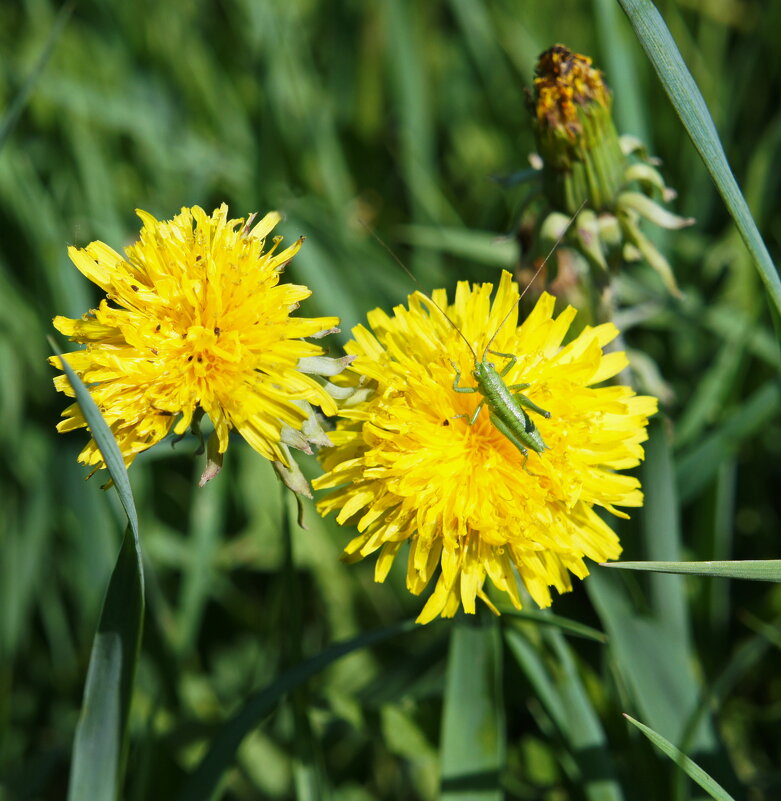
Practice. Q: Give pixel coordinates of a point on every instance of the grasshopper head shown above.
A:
(481, 370)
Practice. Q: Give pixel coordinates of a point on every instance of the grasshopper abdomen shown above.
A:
(507, 408)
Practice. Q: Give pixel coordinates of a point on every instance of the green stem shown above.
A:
(305, 771)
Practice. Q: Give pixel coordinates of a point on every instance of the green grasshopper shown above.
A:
(507, 405)
(507, 409)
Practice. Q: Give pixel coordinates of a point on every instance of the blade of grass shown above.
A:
(406, 735)
(24, 546)
(100, 745)
(307, 778)
(752, 569)
(712, 391)
(620, 64)
(690, 106)
(17, 105)
(473, 731)
(662, 536)
(654, 653)
(741, 665)
(207, 517)
(692, 769)
(696, 469)
(529, 658)
(61, 646)
(719, 593)
(203, 782)
(479, 33)
(560, 690)
(584, 730)
(566, 625)
(656, 669)
(405, 22)
(770, 632)
(477, 246)
(730, 323)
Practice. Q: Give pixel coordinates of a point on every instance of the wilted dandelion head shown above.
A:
(407, 467)
(607, 182)
(195, 321)
(564, 82)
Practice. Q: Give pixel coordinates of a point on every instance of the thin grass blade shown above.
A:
(309, 781)
(20, 101)
(481, 247)
(699, 466)
(564, 624)
(690, 106)
(752, 569)
(692, 769)
(207, 518)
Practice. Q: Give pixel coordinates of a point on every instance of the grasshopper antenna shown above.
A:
(534, 277)
(387, 249)
(411, 275)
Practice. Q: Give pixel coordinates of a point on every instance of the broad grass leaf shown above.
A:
(473, 743)
(100, 746)
(654, 652)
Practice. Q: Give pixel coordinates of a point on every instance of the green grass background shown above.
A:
(398, 113)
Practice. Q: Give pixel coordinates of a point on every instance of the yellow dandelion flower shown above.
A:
(195, 321)
(407, 465)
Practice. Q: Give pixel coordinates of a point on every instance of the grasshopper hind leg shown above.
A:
(511, 435)
(522, 400)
